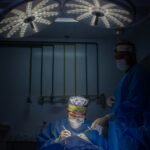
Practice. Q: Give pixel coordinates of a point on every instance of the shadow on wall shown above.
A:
(145, 62)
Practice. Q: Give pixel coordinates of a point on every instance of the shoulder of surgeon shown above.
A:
(138, 68)
(138, 71)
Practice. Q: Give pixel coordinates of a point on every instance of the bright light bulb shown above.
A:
(106, 22)
(97, 3)
(83, 16)
(29, 9)
(84, 3)
(23, 30)
(119, 11)
(76, 6)
(93, 21)
(76, 11)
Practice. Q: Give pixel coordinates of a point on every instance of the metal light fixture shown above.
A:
(29, 18)
(99, 12)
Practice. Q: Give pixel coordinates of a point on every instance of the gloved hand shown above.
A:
(64, 134)
(110, 101)
(98, 128)
(83, 136)
(101, 121)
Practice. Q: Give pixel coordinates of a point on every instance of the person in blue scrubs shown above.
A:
(129, 119)
(127, 129)
(72, 132)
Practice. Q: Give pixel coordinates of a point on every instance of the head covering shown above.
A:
(124, 46)
(77, 104)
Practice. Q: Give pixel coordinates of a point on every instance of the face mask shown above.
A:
(76, 122)
(122, 64)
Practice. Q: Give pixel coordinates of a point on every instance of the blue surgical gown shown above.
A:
(126, 129)
(47, 138)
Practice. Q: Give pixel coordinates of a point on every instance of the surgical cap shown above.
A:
(77, 104)
(124, 46)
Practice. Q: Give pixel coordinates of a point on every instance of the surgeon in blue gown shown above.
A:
(73, 132)
(129, 118)
(128, 127)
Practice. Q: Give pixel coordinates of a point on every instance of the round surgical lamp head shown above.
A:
(102, 13)
(29, 18)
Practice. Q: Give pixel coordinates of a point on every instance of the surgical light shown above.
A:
(29, 18)
(99, 12)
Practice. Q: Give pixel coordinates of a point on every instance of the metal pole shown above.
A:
(75, 70)
(30, 77)
(97, 70)
(64, 70)
(41, 92)
(52, 92)
(86, 70)
(41, 99)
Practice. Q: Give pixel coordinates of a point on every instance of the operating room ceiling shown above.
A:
(79, 29)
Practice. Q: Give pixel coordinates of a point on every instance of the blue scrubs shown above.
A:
(47, 139)
(126, 130)
(147, 122)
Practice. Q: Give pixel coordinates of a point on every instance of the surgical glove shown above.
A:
(99, 121)
(102, 121)
(98, 128)
(64, 134)
(83, 136)
(110, 101)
